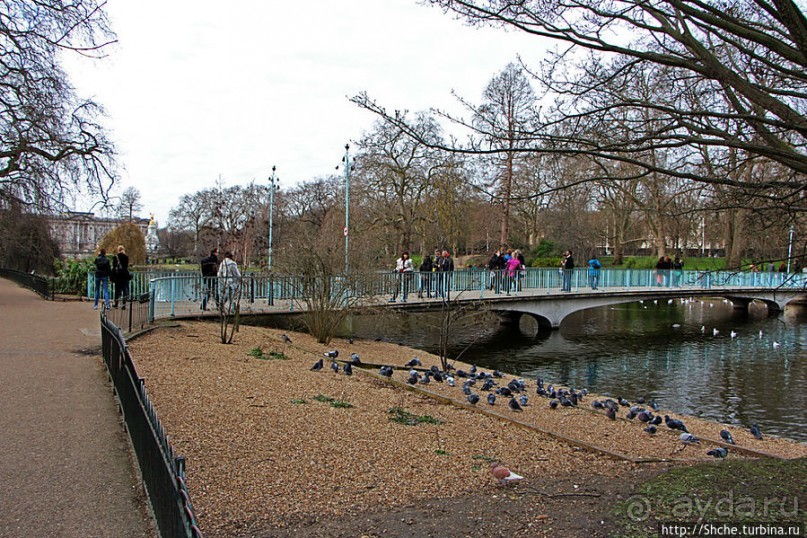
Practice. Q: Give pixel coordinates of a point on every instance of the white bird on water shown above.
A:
(715, 332)
(703, 329)
(733, 334)
(776, 345)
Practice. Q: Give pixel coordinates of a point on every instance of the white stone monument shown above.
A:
(152, 241)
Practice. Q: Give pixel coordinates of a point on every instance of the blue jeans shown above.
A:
(594, 279)
(102, 283)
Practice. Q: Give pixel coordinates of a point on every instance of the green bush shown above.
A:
(71, 276)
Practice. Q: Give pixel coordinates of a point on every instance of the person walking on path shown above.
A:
(66, 462)
(103, 270)
(121, 277)
(210, 267)
(566, 268)
(594, 267)
(403, 269)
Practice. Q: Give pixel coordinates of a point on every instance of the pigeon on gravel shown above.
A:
(491, 398)
(726, 436)
(553, 403)
(332, 354)
(335, 367)
(688, 439)
(355, 360)
(503, 474)
(756, 432)
(473, 399)
(513, 404)
(285, 338)
(413, 362)
(317, 366)
(718, 452)
(650, 429)
(348, 369)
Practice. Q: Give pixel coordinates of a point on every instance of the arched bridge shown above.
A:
(535, 292)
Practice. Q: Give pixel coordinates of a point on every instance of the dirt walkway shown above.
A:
(66, 467)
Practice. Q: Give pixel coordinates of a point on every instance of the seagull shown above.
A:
(756, 432)
(776, 345)
(332, 354)
(760, 334)
(733, 334)
(676, 325)
(718, 452)
(503, 474)
(715, 332)
(285, 338)
(703, 329)
(726, 436)
(414, 362)
(317, 366)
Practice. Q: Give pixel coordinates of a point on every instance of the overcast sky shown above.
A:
(195, 90)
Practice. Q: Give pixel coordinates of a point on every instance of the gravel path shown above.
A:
(271, 443)
(66, 469)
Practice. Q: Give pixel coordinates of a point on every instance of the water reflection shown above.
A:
(665, 351)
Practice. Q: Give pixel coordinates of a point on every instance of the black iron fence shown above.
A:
(133, 314)
(40, 284)
(163, 472)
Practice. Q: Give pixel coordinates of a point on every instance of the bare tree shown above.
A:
(51, 144)
(129, 203)
(503, 121)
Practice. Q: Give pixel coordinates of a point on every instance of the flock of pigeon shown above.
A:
(476, 381)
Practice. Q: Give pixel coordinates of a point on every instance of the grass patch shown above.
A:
(402, 416)
(299, 401)
(333, 402)
(441, 452)
(272, 355)
(741, 491)
(488, 459)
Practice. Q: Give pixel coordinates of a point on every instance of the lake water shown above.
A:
(657, 350)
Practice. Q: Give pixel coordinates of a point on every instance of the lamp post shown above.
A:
(271, 210)
(790, 247)
(347, 205)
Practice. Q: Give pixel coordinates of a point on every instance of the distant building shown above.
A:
(79, 234)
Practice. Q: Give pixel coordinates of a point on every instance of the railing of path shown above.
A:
(163, 472)
(40, 284)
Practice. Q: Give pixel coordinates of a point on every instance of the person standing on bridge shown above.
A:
(229, 280)
(594, 267)
(404, 269)
(210, 266)
(425, 277)
(566, 267)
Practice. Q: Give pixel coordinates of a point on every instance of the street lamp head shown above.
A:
(273, 168)
(347, 147)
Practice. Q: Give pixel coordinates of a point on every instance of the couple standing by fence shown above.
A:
(224, 277)
(117, 272)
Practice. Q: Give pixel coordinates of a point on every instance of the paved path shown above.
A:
(66, 466)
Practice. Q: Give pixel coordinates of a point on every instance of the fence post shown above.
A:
(173, 289)
(152, 299)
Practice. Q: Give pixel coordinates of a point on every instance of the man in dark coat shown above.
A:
(103, 270)
(210, 267)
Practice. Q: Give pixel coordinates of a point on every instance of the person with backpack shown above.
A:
(594, 267)
(103, 270)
